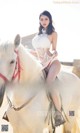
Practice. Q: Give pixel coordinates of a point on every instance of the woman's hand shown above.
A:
(33, 52)
(52, 53)
(48, 57)
(49, 53)
(55, 53)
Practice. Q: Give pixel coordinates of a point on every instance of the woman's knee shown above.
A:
(53, 71)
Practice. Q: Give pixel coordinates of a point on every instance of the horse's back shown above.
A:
(67, 76)
(68, 87)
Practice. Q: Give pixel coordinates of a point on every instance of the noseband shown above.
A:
(16, 73)
(3, 77)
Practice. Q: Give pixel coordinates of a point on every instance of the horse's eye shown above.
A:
(12, 62)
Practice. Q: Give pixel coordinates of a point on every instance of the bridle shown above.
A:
(16, 73)
(18, 67)
(3, 77)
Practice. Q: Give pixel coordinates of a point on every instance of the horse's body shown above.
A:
(31, 118)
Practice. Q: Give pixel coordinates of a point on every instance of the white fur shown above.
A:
(30, 119)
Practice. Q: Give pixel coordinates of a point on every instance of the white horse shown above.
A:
(23, 78)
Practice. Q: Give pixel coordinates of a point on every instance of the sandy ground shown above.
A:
(6, 127)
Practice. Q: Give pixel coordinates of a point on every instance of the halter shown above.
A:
(16, 72)
(3, 77)
(18, 67)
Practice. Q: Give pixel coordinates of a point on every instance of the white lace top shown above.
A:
(41, 43)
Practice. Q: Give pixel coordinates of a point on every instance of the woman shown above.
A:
(44, 44)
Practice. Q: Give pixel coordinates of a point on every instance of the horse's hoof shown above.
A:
(59, 119)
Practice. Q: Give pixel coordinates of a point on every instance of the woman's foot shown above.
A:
(59, 119)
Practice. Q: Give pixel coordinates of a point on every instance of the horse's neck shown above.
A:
(30, 78)
(19, 94)
(30, 67)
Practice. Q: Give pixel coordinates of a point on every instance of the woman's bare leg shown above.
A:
(53, 71)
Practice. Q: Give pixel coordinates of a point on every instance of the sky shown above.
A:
(21, 16)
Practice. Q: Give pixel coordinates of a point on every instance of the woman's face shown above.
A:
(44, 21)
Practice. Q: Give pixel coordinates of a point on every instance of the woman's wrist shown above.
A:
(52, 53)
(49, 53)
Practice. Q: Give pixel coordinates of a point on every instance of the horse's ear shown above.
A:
(17, 40)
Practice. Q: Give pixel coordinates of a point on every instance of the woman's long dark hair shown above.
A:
(50, 27)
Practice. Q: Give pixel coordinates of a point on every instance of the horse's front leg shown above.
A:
(67, 128)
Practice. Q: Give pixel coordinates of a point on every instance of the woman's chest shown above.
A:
(41, 41)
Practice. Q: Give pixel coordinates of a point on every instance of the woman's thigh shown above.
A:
(53, 70)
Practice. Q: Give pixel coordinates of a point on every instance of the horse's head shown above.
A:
(8, 61)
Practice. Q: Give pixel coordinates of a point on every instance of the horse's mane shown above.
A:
(5, 45)
(31, 68)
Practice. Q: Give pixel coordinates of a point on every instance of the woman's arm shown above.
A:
(33, 52)
(54, 40)
(54, 44)
(52, 51)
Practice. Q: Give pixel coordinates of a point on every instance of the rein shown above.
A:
(20, 107)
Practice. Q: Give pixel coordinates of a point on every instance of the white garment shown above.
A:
(41, 43)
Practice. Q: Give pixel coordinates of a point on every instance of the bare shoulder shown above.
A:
(54, 34)
(53, 37)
